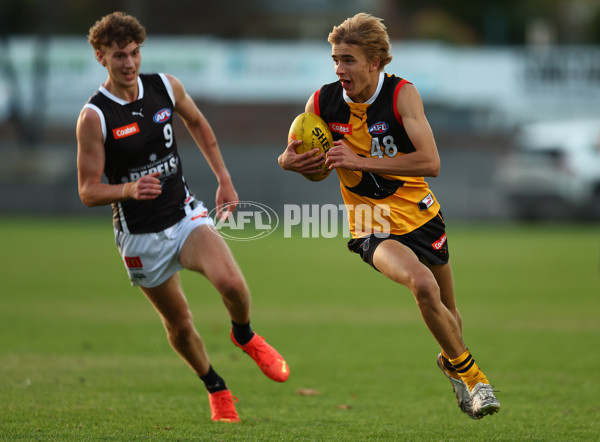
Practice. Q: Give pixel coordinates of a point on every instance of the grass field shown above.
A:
(83, 356)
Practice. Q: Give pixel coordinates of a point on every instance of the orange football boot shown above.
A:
(266, 357)
(222, 408)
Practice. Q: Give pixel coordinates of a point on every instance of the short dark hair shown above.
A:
(116, 27)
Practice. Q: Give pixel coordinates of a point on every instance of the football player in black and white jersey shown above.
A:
(125, 132)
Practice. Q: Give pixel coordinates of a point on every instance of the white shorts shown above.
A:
(152, 258)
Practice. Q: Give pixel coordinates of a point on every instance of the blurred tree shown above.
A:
(17, 17)
(492, 22)
(593, 30)
(502, 22)
(35, 14)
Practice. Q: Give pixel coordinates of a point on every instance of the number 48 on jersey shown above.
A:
(389, 147)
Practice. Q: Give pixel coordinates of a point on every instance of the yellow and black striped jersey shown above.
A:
(376, 203)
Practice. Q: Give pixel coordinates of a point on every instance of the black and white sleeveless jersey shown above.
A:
(139, 140)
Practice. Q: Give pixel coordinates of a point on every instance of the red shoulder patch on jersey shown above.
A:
(316, 103)
(396, 92)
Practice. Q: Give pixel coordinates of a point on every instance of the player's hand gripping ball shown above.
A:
(314, 133)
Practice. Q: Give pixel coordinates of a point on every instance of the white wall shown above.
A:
(512, 84)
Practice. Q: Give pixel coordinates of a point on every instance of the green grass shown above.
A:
(83, 355)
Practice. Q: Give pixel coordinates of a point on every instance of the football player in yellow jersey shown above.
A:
(383, 149)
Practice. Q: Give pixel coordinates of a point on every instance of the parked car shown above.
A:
(553, 171)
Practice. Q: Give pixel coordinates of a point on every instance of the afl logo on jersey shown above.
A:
(162, 115)
(379, 128)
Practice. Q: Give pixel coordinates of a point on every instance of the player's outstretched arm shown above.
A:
(202, 133)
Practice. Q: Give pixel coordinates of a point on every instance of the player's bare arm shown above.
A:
(307, 162)
(424, 161)
(202, 133)
(90, 164)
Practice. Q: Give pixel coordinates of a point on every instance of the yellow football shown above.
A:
(313, 131)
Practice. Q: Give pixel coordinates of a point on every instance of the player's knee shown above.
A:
(181, 328)
(426, 291)
(231, 287)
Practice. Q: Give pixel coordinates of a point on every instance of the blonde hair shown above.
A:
(116, 27)
(365, 31)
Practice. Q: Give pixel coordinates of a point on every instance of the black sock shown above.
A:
(242, 332)
(213, 381)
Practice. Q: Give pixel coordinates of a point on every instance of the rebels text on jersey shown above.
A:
(139, 140)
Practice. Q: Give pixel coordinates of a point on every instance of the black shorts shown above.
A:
(428, 242)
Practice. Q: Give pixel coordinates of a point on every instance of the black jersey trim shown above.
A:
(375, 186)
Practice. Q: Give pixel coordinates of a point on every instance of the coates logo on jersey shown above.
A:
(379, 128)
(162, 115)
(439, 243)
(126, 131)
(344, 129)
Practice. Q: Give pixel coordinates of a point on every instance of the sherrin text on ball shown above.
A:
(314, 133)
